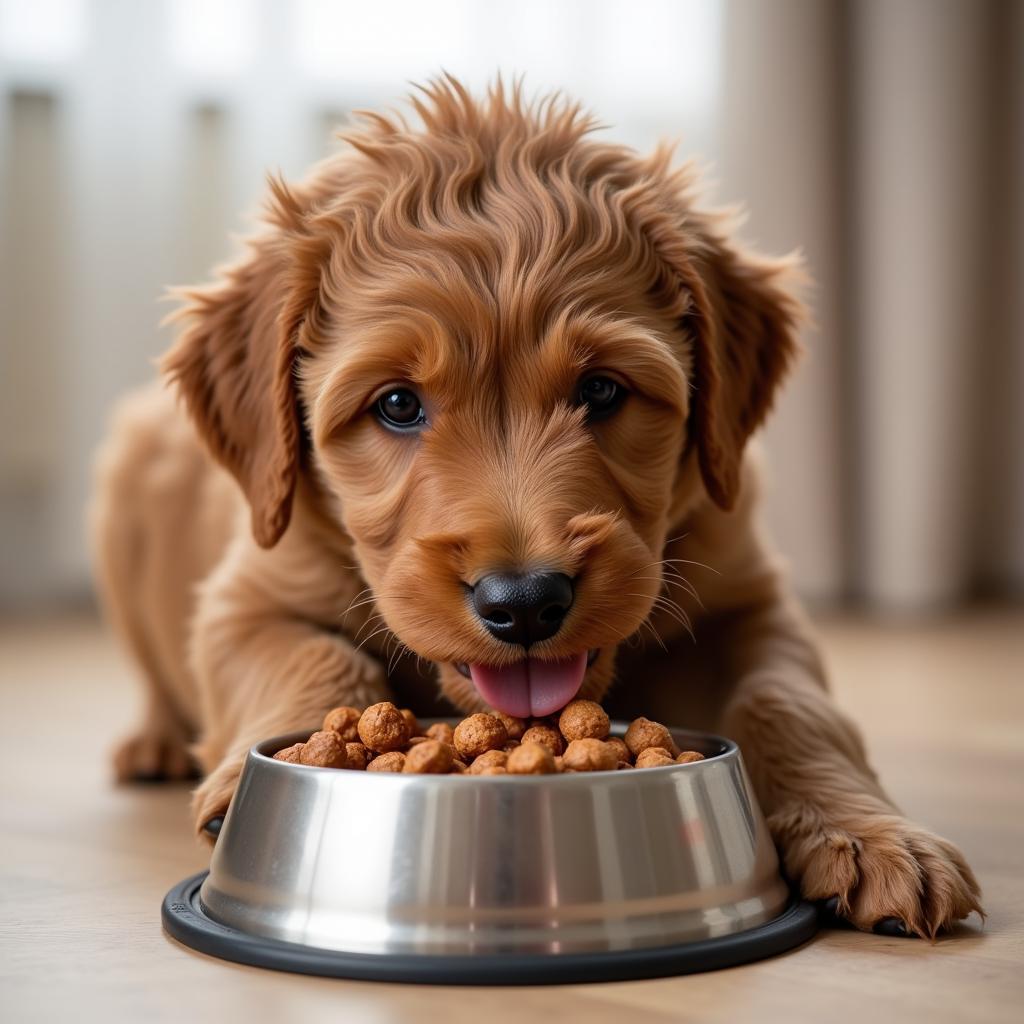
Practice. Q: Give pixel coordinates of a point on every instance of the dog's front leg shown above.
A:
(263, 672)
(839, 834)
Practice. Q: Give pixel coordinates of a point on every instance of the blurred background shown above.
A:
(883, 137)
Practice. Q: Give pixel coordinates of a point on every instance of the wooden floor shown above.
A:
(83, 865)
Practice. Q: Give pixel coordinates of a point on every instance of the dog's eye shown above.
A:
(400, 408)
(601, 395)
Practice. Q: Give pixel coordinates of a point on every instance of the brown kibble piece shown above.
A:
(623, 764)
(510, 746)
(559, 763)
(590, 755)
(458, 768)
(515, 727)
(383, 728)
(619, 746)
(414, 740)
(479, 733)
(324, 750)
(494, 769)
(441, 731)
(546, 736)
(530, 759)
(431, 757)
(583, 719)
(344, 721)
(392, 761)
(290, 754)
(688, 757)
(358, 756)
(643, 733)
(654, 757)
(488, 759)
(410, 721)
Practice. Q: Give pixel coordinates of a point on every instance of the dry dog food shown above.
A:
(479, 734)
(383, 728)
(590, 755)
(343, 721)
(546, 736)
(431, 757)
(324, 750)
(392, 761)
(654, 757)
(583, 719)
(530, 759)
(643, 733)
(385, 738)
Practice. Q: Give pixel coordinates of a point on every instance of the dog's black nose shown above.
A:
(523, 608)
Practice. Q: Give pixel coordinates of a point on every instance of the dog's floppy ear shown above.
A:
(743, 321)
(234, 365)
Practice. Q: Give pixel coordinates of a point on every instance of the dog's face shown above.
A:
(503, 453)
(504, 346)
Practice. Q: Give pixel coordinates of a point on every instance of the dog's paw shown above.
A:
(153, 755)
(880, 872)
(211, 798)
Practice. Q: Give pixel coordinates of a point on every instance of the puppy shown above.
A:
(469, 420)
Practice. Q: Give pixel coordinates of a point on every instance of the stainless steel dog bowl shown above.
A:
(492, 878)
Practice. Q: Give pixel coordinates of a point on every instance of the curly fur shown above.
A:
(488, 257)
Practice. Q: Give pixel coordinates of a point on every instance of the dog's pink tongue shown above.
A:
(531, 687)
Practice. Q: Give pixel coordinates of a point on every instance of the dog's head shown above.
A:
(495, 346)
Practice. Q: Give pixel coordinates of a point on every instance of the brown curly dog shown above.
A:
(482, 390)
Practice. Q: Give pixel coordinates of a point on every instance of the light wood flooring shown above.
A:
(84, 865)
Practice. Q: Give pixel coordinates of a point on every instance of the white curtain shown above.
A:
(882, 136)
(886, 137)
(135, 135)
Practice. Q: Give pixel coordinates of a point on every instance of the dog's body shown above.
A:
(488, 348)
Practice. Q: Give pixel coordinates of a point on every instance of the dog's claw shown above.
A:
(829, 917)
(212, 827)
(828, 913)
(892, 926)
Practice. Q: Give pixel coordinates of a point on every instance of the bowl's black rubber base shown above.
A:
(185, 920)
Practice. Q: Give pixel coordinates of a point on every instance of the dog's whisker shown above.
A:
(690, 561)
(649, 565)
(667, 562)
(687, 587)
(370, 637)
(674, 611)
(674, 540)
(372, 599)
(683, 584)
(370, 619)
(361, 604)
(358, 601)
(673, 608)
(654, 633)
(362, 643)
(672, 578)
(396, 657)
(669, 572)
(676, 581)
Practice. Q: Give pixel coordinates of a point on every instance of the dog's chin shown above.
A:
(530, 687)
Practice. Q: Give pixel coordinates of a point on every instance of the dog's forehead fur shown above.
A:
(495, 249)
